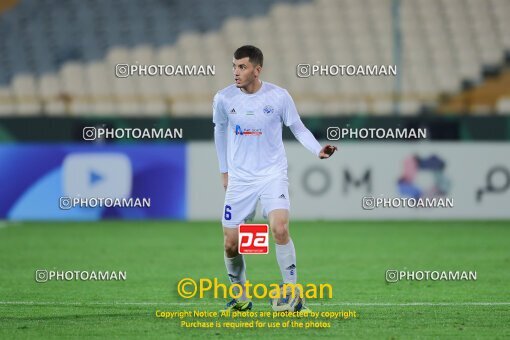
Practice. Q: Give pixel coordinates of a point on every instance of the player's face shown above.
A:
(245, 73)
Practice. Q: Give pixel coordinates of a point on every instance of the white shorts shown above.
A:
(241, 200)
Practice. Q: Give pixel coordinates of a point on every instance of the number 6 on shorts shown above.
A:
(228, 214)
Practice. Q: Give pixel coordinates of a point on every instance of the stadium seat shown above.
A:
(50, 91)
(7, 105)
(25, 92)
(503, 106)
(71, 50)
(72, 78)
(100, 88)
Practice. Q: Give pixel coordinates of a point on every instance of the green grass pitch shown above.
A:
(351, 256)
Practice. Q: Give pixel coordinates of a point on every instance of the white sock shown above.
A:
(236, 269)
(286, 257)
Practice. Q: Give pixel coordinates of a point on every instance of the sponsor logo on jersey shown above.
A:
(250, 113)
(233, 111)
(247, 132)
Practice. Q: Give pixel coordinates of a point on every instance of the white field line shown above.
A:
(5, 224)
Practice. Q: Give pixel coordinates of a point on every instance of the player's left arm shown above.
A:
(307, 139)
(290, 117)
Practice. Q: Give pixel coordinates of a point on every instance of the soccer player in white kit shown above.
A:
(248, 117)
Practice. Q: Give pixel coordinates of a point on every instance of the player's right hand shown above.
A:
(225, 180)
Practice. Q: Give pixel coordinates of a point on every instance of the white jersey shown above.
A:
(254, 121)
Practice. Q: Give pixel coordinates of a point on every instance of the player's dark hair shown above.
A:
(253, 53)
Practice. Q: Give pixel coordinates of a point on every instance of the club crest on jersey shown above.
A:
(247, 132)
(268, 109)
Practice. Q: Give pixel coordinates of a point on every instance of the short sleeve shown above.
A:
(219, 114)
(289, 112)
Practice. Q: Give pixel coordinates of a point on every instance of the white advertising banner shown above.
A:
(425, 180)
